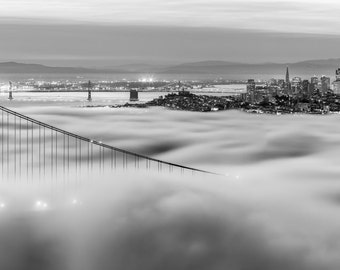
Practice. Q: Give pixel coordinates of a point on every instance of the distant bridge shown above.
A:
(31, 150)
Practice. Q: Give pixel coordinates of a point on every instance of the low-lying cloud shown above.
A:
(275, 208)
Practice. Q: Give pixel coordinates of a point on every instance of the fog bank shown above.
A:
(275, 207)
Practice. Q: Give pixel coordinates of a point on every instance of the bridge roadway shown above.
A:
(121, 91)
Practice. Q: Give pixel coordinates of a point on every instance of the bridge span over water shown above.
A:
(31, 150)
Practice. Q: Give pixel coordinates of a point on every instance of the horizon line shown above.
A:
(33, 62)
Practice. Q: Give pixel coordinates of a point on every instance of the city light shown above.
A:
(76, 202)
(40, 206)
(146, 80)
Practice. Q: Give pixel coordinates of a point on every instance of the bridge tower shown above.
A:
(89, 95)
(133, 95)
(10, 95)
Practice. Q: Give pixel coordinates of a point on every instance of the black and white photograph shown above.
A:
(169, 135)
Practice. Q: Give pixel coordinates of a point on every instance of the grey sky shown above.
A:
(283, 15)
(103, 32)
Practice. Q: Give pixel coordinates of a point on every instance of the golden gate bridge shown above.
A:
(31, 150)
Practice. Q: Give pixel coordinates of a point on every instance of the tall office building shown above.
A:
(314, 80)
(287, 75)
(287, 83)
(251, 87)
(325, 84)
(306, 87)
(296, 85)
(337, 74)
(336, 83)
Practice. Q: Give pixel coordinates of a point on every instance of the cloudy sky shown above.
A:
(103, 32)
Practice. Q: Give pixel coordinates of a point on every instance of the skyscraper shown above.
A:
(325, 84)
(287, 83)
(337, 74)
(296, 85)
(251, 87)
(287, 76)
(336, 83)
(314, 80)
(306, 87)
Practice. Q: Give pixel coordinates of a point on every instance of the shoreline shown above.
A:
(145, 106)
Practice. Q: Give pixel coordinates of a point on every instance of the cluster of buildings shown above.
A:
(316, 95)
(282, 104)
(187, 101)
(296, 88)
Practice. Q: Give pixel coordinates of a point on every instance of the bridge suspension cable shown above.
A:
(35, 150)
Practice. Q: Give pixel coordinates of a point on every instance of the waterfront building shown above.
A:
(325, 84)
(251, 87)
(336, 83)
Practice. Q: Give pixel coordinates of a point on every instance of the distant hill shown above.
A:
(305, 68)
(208, 64)
(13, 67)
(226, 69)
(140, 68)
